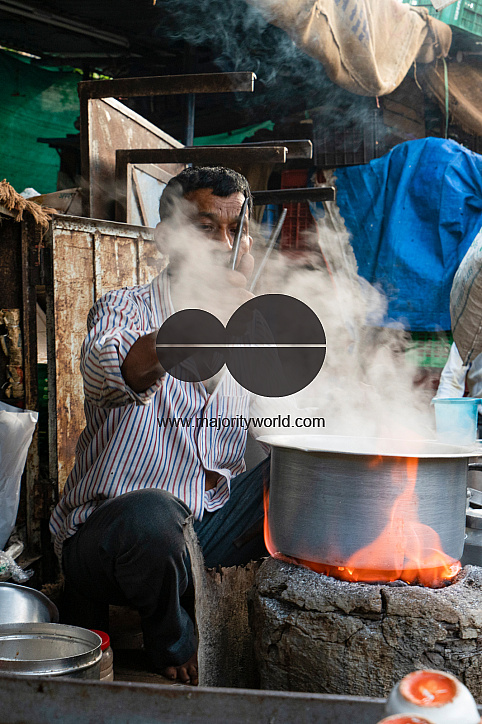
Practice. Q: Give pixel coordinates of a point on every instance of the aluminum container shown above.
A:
(19, 604)
(331, 496)
(50, 649)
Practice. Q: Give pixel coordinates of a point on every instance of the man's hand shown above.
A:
(141, 367)
(246, 266)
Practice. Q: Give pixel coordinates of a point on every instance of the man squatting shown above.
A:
(118, 527)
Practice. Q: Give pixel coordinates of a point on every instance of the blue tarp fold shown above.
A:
(413, 214)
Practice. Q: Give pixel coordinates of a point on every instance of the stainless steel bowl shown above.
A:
(19, 604)
(50, 649)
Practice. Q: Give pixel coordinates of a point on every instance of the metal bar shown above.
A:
(286, 196)
(84, 154)
(48, 279)
(140, 201)
(296, 149)
(238, 235)
(166, 85)
(190, 118)
(204, 154)
(272, 241)
(29, 334)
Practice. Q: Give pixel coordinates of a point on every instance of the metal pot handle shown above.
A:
(475, 466)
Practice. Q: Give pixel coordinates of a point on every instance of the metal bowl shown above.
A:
(19, 604)
(50, 649)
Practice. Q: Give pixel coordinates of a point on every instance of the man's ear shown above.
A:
(250, 242)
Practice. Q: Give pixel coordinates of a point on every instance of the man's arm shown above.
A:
(141, 368)
(115, 327)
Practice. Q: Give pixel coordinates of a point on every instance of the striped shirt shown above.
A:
(124, 445)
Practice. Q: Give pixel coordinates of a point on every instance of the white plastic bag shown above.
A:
(16, 431)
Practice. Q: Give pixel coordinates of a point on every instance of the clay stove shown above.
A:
(316, 633)
(352, 625)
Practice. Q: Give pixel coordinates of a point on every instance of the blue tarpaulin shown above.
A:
(413, 214)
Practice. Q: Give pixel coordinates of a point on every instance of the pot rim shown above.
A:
(374, 446)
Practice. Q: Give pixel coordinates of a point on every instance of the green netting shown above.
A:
(35, 103)
(232, 137)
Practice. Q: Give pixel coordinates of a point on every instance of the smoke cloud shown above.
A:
(241, 38)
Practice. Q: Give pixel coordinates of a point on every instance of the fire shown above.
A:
(406, 549)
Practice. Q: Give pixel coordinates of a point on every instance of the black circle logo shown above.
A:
(274, 345)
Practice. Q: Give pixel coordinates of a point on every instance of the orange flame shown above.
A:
(405, 550)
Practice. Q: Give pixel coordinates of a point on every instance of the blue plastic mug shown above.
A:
(456, 419)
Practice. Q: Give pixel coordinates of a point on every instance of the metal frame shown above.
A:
(269, 152)
(212, 155)
(150, 86)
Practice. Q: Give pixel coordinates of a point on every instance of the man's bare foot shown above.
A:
(187, 673)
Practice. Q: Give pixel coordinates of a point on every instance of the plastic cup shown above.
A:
(456, 420)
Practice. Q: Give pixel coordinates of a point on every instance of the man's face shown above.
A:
(217, 217)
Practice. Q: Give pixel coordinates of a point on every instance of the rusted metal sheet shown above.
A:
(232, 156)
(108, 125)
(164, 85)
(286, 196)
(88, 258)
(42, 701)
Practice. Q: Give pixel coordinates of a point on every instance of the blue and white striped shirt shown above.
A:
(123, 446)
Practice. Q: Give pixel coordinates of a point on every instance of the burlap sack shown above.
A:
(366, 46)
(466, 303)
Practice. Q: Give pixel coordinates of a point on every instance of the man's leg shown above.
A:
(233, 535)
(132, 551)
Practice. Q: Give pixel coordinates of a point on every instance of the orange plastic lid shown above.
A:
(105, 639)
(428, 688)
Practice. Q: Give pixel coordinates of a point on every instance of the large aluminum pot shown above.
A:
(331, 496)
(19, 604)
(50, 649)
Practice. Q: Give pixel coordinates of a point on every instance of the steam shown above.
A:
(242, 39)
(365, 387)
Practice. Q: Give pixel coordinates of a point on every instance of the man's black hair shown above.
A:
(222, 181)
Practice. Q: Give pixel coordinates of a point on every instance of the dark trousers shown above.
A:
(131, 551)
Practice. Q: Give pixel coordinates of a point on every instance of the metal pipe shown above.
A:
(238, 234)
(295, 195)
(191, 112)
(271, 243)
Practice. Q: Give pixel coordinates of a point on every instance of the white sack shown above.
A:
(16, 431)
